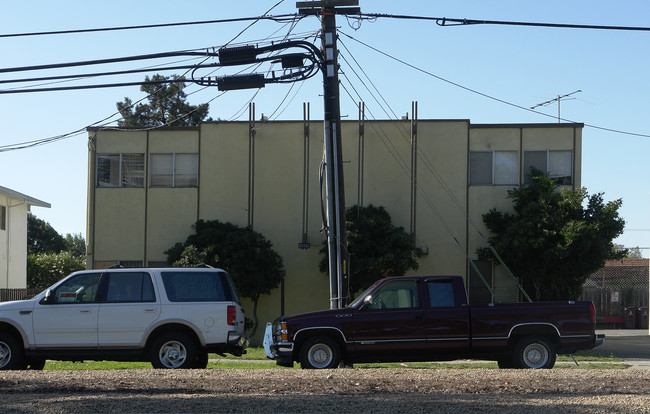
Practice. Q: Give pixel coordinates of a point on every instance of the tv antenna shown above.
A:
(558, 99)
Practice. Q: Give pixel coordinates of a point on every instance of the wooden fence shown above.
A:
(17, 294)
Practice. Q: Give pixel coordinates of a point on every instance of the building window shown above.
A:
(3, 218)
(120, 170)
(174, 170)
(478, 291)
(130, 263)
(493, 168)
(558, 165)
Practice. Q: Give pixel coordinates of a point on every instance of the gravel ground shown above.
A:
(336, 391)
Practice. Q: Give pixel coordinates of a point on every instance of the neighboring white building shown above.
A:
(13, 237)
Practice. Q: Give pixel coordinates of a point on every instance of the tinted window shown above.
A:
(130, 287)
(196, 286)
(396, 295)
(441, 294)
(78, 289)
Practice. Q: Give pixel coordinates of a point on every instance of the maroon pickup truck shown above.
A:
(427, 318)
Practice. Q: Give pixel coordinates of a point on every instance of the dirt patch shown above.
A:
(341, 391)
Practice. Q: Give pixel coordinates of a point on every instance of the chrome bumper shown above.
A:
(281, 352)
(600, 338)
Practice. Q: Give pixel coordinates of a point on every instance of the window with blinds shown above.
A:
(174, 170)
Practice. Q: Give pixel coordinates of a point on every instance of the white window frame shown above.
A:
(495, 156)
(124, 177)
(175, 174)
(550, 162)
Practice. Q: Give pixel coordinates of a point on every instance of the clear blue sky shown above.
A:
(521, 65)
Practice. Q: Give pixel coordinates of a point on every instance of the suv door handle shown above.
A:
(85, 311)
(419, 316)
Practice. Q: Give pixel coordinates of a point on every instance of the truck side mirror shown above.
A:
(367, 301)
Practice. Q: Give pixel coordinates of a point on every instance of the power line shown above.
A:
(80, 131)
(194, 52)
(277, 18)
(446, 22)
(474, 91)
(98, 74)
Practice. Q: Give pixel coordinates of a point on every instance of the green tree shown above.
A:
(42, 238)
(556, 238)
(51, 256)
(377, 248)
(167, 106)
(44, 269)
(248, 257)
(75, 244)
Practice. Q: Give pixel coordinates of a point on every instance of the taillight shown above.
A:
(592, 311)
(232, 315)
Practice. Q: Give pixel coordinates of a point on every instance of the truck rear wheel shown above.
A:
(320, 352)
(534, 352)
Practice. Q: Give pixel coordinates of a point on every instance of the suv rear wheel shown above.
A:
(173, 350)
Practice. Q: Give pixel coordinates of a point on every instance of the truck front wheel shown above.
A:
(320, 352)
(534, 352)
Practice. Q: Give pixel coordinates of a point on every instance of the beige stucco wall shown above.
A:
(141, 223)
(481, 199)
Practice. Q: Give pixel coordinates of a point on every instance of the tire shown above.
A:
(534, 352)
(201, 360)
(505, 362)
(320, 352)
(173, 350)
(36, 364)
(11, 352)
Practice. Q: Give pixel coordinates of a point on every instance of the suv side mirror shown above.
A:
(48, 299)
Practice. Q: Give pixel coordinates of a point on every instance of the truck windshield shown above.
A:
(363, 295)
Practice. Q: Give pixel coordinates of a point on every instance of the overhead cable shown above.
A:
(446, 22)
(474, 91)
(278, 18)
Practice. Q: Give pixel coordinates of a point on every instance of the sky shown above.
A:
(467, 72)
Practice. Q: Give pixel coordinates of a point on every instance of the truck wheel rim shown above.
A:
(172, 354)
(5, 354)
(320, 355)
(535, 355)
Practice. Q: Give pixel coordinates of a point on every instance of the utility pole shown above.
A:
(335, 193)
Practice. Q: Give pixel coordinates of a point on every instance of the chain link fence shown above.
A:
(620, 293)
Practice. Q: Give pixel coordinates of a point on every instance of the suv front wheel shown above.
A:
(173, 350)
(11, 353)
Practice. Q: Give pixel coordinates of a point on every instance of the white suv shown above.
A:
(171, 317)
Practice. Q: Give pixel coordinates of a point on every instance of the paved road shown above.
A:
(632, 345)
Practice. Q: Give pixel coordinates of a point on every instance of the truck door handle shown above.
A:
(150, 310)
(84, 311)
(419, 316)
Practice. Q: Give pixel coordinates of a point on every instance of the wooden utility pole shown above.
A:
(335, 192)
